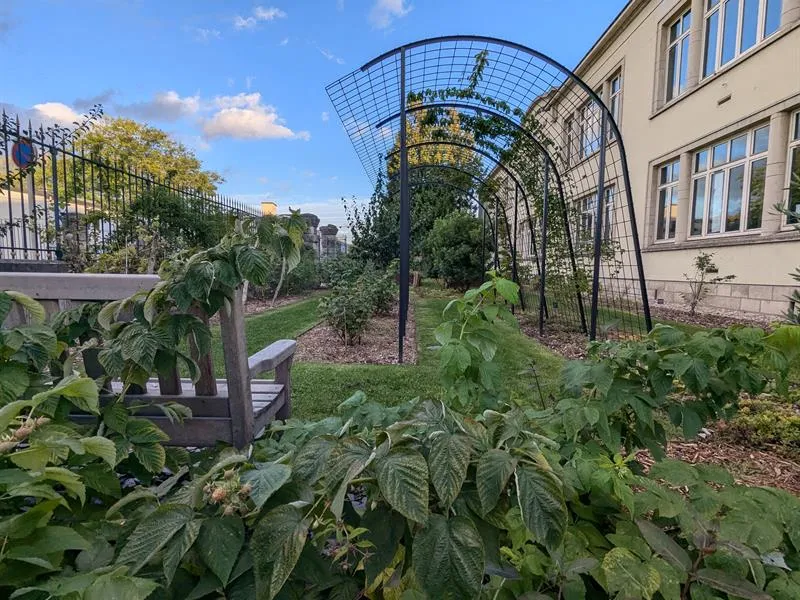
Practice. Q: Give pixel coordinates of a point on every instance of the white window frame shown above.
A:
(674, 86)
(587, 207)
(725, 168)
(615, 100)
(669, 186)
(719, 8)
(794, 144)
(590, 119)
(571, 140)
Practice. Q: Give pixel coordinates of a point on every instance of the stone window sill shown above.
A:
(744, 239)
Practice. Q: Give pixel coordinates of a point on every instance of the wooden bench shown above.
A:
(231, 410)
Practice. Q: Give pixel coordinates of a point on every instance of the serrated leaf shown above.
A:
(152, 456)
(14, 380)
(112, 586)
(508, 290)
(541, 499)
(665, 546)
(5, 306)
(152, 534)
(309, 464)
(385, 530)
(447, 462)
(265, 479)
(403, 480)
(102, 447)
(11, 411)
(626, 573)
(277, 543)
(178, 546)
(80, 391)
(219, 543)
(730, 584)
(99, 555)
(142, 431)
(494, 470)
(35, 310)
(448, 558)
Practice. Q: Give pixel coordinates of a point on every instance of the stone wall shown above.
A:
(752, 298)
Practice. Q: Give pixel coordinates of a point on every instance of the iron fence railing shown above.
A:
(67, 195)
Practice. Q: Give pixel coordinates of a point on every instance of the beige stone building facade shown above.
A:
(706, 94)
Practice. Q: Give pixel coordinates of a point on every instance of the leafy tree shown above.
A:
(283, 238)
(454, 249)
(149, 150)
(704, 275)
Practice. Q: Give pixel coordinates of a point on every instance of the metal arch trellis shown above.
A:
(548, 131)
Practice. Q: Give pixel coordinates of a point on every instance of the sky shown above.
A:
(243, 83)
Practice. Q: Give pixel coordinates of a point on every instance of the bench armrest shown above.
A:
(271, 356)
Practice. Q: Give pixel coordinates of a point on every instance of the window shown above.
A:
(570, 141)
(667, 209)
(588, 210)
(615, 101)
(732, 27)
(794, 169)
(590, 129)
(728, 184)
(678, 55)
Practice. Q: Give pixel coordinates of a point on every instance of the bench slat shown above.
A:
(271, 356)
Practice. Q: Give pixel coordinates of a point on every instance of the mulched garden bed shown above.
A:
(749, 466)
(256, 306)
(709, 317)
(378, 343)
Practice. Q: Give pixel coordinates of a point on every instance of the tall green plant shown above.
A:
(283, 237)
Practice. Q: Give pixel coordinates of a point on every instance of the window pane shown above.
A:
(672, 68)
(684, 66)
(699, 206)
(796, 135)
(712, 30)
(731, 20)
(761, 140)
(687, 22)
(720, 154)
(608, 214)
(749, 24)
(733, 218)
(616, 84)
(664, 175)
(662, 211)
(794, 185)
(739, 147)
(676, 171)
(675, 31)
(715, 203)
(773, 20)
(711, 4)
(701, 161)
(758, 172)
(673, 212)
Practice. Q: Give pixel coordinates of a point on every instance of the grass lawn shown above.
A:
(319, 388)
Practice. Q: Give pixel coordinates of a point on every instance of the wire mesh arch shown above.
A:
(537, 133)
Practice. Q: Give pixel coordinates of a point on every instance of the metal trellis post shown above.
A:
(405, 212)
(598, 226)
(543, 261)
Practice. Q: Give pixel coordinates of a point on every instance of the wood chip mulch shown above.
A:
(564, 342)
(378, 343)
(707, 318)
(749, 466)
(255, 306)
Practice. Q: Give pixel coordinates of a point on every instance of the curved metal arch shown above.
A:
(608, 117)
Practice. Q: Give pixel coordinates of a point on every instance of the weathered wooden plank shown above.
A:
(207, 384)
(270, 357)
(256, 386)
(201, 406)
(169, 384)
(283, 375)
(77, 286)
(200, 432)
(236, 370)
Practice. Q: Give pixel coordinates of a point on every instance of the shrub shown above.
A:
(767, 420)
(341, 270)
(304, 277)
(454, 248)
(381, 288)
(701, 279)
(347, 310)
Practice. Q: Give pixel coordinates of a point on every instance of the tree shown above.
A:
(149, 150)
(454, 248)
(283, 237)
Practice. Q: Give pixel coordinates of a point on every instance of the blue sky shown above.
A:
(243, 83)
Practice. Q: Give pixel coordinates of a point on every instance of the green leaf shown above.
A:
(691, 422)
(455, 357)
(665, 546)
(35, 310)
(385, 530)
(730, 584)
(219, 544)
(178, 546)
(152, 456)
(102, 447)
(34, 458)
(447, 462)
(113, 586)
(508, 290)
(99, 555)
(309, 465)
(494, 470)
(142, 431)
(14, 380)
(265, 479)
(541, 499)
(253, 264)
(153, 533)
(5, 306)
(448, 558)
(11, 411)
(627, 574)
(48, 540)
(80, 391)
(277, 542)
(403, 480)
(444, 333)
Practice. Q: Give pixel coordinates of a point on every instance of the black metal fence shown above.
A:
(67, 196)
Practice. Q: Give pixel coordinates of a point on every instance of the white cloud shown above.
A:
(385, 11)
(56, 111)
(248, 81)
(260, 13)
(268, 14)
(165, 106)
(263, 180)
(243, 116)
(240, 22)
(331, 56)
(284, 41)
(206, 35)
(325, 117)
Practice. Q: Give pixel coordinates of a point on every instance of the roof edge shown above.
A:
(628, 12)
